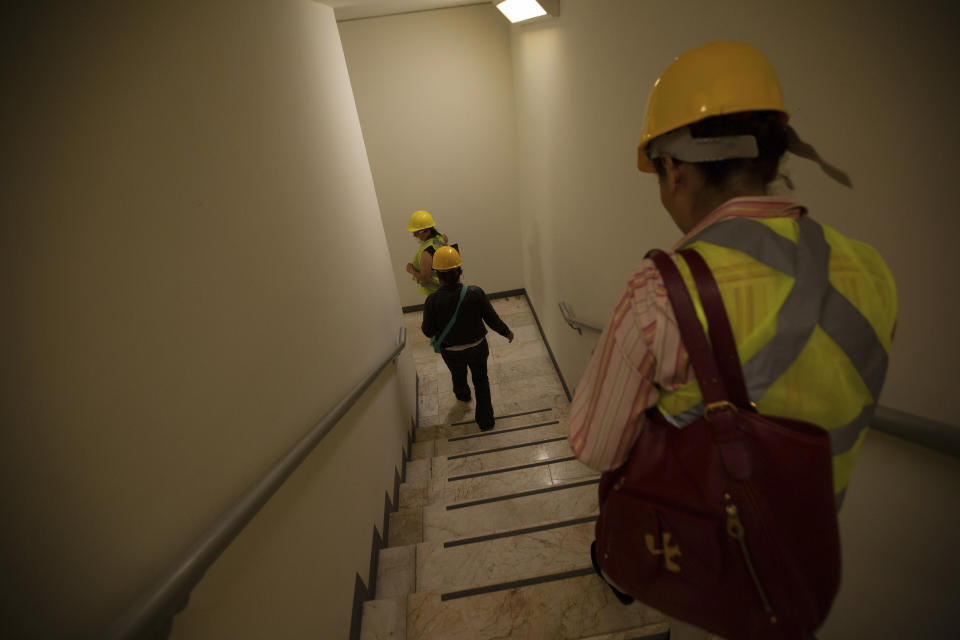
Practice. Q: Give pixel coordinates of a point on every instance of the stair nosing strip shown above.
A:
(522, 494)
(513, 584)
(512, 415)
(499, 431)
(491, 472)
(519, 532)
(459, 456)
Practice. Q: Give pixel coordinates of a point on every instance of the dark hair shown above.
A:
(450, 276)
(433, 232)
(766, 126)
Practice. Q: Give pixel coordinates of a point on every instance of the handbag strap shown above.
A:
(719, 412)
(453, 319)
(718, 324)
(701, 355)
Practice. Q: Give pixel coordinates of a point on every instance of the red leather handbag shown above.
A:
(728, 523)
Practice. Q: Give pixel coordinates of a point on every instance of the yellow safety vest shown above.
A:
(812, 313)
(434, 282)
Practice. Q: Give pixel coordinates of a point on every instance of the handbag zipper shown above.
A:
(736, 531)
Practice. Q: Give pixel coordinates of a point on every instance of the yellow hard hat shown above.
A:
(715, 79)
(446, 258)
(420, 220)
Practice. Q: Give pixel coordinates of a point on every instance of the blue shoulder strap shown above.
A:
(436, 341)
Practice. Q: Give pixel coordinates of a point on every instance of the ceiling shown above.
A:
(355, 9)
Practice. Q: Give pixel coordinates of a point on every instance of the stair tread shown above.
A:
(442, 467)
(571, 608)
(500, 437)
(396, 571)
(647, 631)
(498, 560)
(445, 410)
(384, 619)
(441, 523)
(442, 431)
(494, 482)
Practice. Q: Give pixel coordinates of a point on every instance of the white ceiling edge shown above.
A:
(357, 9)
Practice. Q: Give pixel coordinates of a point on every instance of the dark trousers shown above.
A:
(476, 359)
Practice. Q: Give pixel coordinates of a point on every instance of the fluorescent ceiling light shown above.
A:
(520, 10)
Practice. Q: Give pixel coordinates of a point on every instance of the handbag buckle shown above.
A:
(720, 405)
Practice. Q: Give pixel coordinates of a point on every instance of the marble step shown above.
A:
(384, 619)
(469, 563)
(418, 472)
(552, 448)
(659, 631)
(543, 413)
(387, 620)
(438, 522)
(494, 482)
(544, 549)
(517, 364)
(508, 399)
(572, 608)
(396, 572)
(498, 438)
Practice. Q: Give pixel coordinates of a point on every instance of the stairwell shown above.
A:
(492, 533)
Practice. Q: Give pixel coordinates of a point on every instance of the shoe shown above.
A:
(621, 596)
(486, 428)
(466, 399)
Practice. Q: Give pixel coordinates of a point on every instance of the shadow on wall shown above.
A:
(533, 259)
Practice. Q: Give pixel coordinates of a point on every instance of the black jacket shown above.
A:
(475, 310)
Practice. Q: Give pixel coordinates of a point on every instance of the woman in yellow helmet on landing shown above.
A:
(424, 230)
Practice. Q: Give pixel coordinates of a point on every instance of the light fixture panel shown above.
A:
(522, 10)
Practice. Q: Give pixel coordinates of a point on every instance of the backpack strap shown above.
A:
(437, 340)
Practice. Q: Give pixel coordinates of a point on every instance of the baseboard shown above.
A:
(360, 595)
(507, 294)
(361, 592)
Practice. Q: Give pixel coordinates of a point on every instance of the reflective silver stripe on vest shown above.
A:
(807, 262)
(683, 419)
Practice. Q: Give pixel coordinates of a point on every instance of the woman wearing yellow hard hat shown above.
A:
(811, 315)
(424, 230)
(453, 318)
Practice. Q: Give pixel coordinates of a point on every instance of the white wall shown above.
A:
(184, 187)
(870, 85)
(435, 95)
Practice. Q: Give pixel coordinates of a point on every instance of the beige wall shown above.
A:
(871, 85)
(435, 95)
(187, 185)
(899, 526)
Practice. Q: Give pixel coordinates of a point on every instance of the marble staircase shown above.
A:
(492, 535)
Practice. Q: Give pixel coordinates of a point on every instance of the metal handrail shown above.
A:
(155, 608)
(938, 436)
(573, 323)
